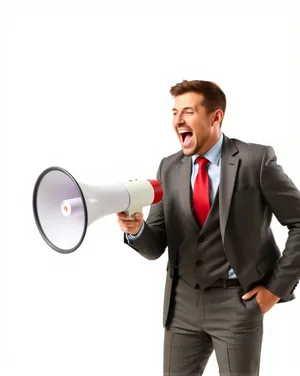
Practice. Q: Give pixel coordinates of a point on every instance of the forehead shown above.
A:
(187, 100)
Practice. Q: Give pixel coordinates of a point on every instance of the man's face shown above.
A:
(191, 123)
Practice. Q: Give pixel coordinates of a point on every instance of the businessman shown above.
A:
(225, 270)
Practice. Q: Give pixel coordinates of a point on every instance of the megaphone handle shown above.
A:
(131, 212)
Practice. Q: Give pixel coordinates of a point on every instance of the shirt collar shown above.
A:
(214, 153)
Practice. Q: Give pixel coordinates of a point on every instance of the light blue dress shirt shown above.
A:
(214, 156)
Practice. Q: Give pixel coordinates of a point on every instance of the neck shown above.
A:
(210, 143)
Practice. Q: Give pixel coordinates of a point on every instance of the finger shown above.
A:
(130, 230)
(139, 216)
(249, 294)
(122, 215)
(129, 223)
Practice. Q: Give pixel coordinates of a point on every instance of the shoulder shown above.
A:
(172, 159)
(168, 162)
(250, 150)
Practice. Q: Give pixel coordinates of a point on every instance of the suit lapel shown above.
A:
(229, 167)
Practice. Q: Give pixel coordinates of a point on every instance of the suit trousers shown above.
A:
(216, 318)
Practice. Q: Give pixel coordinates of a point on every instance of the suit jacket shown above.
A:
(252, 188)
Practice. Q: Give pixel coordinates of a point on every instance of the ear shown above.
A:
(217, 117)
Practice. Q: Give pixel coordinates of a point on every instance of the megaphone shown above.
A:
(64, 208)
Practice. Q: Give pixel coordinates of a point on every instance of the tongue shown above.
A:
(187, 138)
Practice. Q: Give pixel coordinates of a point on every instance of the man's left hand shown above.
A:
(264, 297)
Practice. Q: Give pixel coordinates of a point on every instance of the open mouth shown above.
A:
(185, 137)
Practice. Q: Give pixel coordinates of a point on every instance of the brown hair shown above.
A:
(214, 97)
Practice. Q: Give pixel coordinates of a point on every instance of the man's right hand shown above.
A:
(128, 225)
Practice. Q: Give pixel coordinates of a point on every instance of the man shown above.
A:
(225, 270)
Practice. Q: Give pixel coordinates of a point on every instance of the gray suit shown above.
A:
(236, 232)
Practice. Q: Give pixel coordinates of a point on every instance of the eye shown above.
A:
(189, 112)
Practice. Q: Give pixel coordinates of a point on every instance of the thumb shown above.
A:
(250, 293)
(139, 216)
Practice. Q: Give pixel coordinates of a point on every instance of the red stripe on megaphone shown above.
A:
(157, 188)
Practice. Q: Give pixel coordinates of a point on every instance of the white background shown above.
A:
(86, 88)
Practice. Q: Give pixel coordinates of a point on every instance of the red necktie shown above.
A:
(201, 191)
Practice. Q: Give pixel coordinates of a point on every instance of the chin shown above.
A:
(188, 152)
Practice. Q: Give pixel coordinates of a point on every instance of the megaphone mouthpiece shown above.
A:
(72, 206)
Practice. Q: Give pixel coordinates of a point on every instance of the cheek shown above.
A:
(199, 128)
(197, 131)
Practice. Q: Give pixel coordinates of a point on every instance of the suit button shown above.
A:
(199, 262)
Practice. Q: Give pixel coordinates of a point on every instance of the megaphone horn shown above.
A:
(64, 208)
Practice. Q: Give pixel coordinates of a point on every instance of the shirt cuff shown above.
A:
(131, 238)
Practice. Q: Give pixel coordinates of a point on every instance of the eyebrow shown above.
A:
(184, 108)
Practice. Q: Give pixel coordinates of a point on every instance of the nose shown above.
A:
(179, 120)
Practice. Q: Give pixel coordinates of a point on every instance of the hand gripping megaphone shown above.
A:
(64, 208)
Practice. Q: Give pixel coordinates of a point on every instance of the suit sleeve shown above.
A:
(152, 242)
(283, 198)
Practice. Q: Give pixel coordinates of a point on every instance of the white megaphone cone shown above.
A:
(64, 208)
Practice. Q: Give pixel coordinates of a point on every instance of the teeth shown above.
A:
(183, 131)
